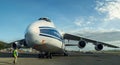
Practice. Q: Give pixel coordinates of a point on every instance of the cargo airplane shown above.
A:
(43, 36)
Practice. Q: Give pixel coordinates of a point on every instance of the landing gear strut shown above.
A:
(66, 54)
(48, 55)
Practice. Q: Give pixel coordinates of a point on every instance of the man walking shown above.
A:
(15, 54)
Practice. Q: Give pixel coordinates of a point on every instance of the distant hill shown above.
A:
(4, 45)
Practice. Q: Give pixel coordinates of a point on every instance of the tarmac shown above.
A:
(81, 59)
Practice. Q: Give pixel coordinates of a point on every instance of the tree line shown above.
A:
(4, 45)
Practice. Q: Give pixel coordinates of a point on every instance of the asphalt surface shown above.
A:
(82, 59)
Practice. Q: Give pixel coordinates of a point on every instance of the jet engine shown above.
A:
(19, 44)
(99, 47)
(81, 44)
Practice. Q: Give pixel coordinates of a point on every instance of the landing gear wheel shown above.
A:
(45, 55)
(49, 55)
(41, 55)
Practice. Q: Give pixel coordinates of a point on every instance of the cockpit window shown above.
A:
(51, 32)
(46, 19)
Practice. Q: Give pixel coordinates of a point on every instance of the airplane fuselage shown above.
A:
(43, 36)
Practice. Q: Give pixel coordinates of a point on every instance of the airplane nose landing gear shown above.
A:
(45, 55)
(49, 55)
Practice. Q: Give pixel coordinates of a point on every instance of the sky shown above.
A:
(68, 15)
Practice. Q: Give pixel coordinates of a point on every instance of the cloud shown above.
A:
(107, 20)
(111, 8)
(104, 26)
(84, 21)
(79, 21)
(110, 12)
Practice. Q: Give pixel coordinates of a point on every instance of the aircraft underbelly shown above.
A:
(49, 45)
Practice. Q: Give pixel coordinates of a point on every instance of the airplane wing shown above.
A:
(78, 38)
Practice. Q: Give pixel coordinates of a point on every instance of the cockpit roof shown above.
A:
(46, 19)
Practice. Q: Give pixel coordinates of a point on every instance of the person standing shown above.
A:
(15, 55)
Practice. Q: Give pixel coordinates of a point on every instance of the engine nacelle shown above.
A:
(99, 47)
(81, 44)
(16, 45)
(19, 44)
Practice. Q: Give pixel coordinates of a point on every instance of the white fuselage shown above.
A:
(43, 36)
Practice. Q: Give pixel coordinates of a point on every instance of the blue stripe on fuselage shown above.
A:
(51, 37)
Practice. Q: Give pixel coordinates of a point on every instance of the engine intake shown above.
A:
(19, 44)
(15, 45)
(99, 47)
(81, 44)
